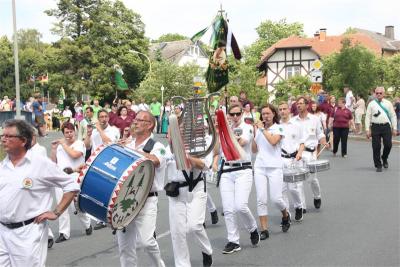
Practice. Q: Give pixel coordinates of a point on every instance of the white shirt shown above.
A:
(64, 160)
(67, 113)
(143, 107)
(25, 189)
(292, 136)
(375, 114)
(311, 130)
(110, 131)
(135, 108)
(349, 100)
(268, 155)
(39, 150)
(160, 152)
(247, 134)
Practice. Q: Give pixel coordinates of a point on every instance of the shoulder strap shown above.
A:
(148, 147)
(384, 109)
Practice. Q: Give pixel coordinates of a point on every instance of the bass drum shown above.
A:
(115, 184)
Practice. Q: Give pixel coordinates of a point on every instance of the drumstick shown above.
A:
(322, 149)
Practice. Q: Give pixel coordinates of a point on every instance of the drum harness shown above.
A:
(286, 155)
(235, 167)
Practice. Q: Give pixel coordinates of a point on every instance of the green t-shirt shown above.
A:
(155, 109)
(96, 110)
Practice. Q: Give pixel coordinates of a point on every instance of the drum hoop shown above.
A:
(317, 162)
(120, 182)
(85, 169)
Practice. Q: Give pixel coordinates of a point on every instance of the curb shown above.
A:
(364, 138)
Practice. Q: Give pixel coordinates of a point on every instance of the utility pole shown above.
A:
(16, 65)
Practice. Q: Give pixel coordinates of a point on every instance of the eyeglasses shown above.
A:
(233, 114)
(8, 136)
(379, 93)
(140, 120)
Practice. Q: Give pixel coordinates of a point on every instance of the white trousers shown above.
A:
(292, 188)
(274, 177)
(313, 180)
(186, 218)
(210, 204)
(235, 189)
(139, 234)
(64, 221)
(25, 246)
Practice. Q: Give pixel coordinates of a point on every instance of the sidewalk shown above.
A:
(362, 137)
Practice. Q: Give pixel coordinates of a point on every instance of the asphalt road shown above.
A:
(357, 225)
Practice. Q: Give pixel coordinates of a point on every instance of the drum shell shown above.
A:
(293, 175)
(107, 173)
(318, 165)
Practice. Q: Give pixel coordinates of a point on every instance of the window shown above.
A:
(194, 51)
(292, 71)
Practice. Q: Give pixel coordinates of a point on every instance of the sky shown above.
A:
(187, 17)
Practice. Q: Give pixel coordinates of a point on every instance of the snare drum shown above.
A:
(293, 175)
(115, 184)
(318, 165)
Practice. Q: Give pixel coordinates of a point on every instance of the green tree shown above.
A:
(294, 86)
(391, 71)
(29, 38)
(169, 37)
(6, 67)
(354, 66)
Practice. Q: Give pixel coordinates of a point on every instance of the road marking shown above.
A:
(163, 234)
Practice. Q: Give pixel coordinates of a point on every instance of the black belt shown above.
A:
(237, 169)
(195, 182)
(238, 164)
(381, 124)
(153, 194)
(309, 149)
(18, 225)
(288, 156)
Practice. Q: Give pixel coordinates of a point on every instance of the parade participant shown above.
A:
(235, 186)
(349, 99)
(113, 114)
(340, 121)
(359, 113)
(86, 123)
(268, 167)
(103, 134)
(247, 114)
(166, 111)
(68, 152)
(155, 108)
(292, 147)
(312, 134)
(234, 100)
(122, 121)
(96, 108)
(212, 209)
(381, 124)
(26, 198)
(139, 233)
(187, 205)
(131, 113)
(143, 106)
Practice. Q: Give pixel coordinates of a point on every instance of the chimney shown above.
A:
(322, 34)
(316, 34)
(389, 32)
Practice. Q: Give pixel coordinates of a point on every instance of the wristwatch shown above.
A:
(57, 212)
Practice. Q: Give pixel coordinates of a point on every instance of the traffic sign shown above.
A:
(317, 64)
(316, 76)
(315, 87)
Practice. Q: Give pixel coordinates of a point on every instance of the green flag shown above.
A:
(198, 35)
(119, 81)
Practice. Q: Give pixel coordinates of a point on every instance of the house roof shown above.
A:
(332, 44)
(172, 51)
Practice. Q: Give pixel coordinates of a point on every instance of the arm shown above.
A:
(300, 152)
(88, 138)
(70, 151)
(273, 139)
(61, 207)
(196, 162)
(368, 120)
(105, 139)
(254, 148)
(53, 153)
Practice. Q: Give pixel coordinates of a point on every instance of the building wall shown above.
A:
(200, 61)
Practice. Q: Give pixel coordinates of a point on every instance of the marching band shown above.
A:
(281, 146)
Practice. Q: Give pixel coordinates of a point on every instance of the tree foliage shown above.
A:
(170, 37)
(294, 86)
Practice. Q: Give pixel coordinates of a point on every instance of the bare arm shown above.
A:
(61, 207)
(273, 139)
(196, 162)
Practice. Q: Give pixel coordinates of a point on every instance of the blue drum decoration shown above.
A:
(115, 184)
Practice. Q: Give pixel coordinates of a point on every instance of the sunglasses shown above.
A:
(379, 93)
(233, 114)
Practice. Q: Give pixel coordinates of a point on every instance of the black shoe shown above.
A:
(204, 225)
(304, 211)
(231, 247)
(207, 260)
(214, 217)
(255, 238)
(155, 235)
(385, 164)
(61, 238)
(299, 215)
(89, 230)
(50, 243)
(99, 225)
(285, 223)
(379, 169)
(264, 234)
(317, 203)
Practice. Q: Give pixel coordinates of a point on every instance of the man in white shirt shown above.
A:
(139, 233)
(349, 98)
(380, 123)
(143, 106)
(26, 180)
(312, 134)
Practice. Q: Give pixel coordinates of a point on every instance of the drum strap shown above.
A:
(148, 147)
(189, 179)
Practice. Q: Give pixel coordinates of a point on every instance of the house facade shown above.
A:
(294, 55)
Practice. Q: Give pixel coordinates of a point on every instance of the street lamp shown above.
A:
(137, 52)
(16, 65)
(162, 95)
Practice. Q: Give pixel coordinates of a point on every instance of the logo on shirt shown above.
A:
(162, 152)
(27, 183)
